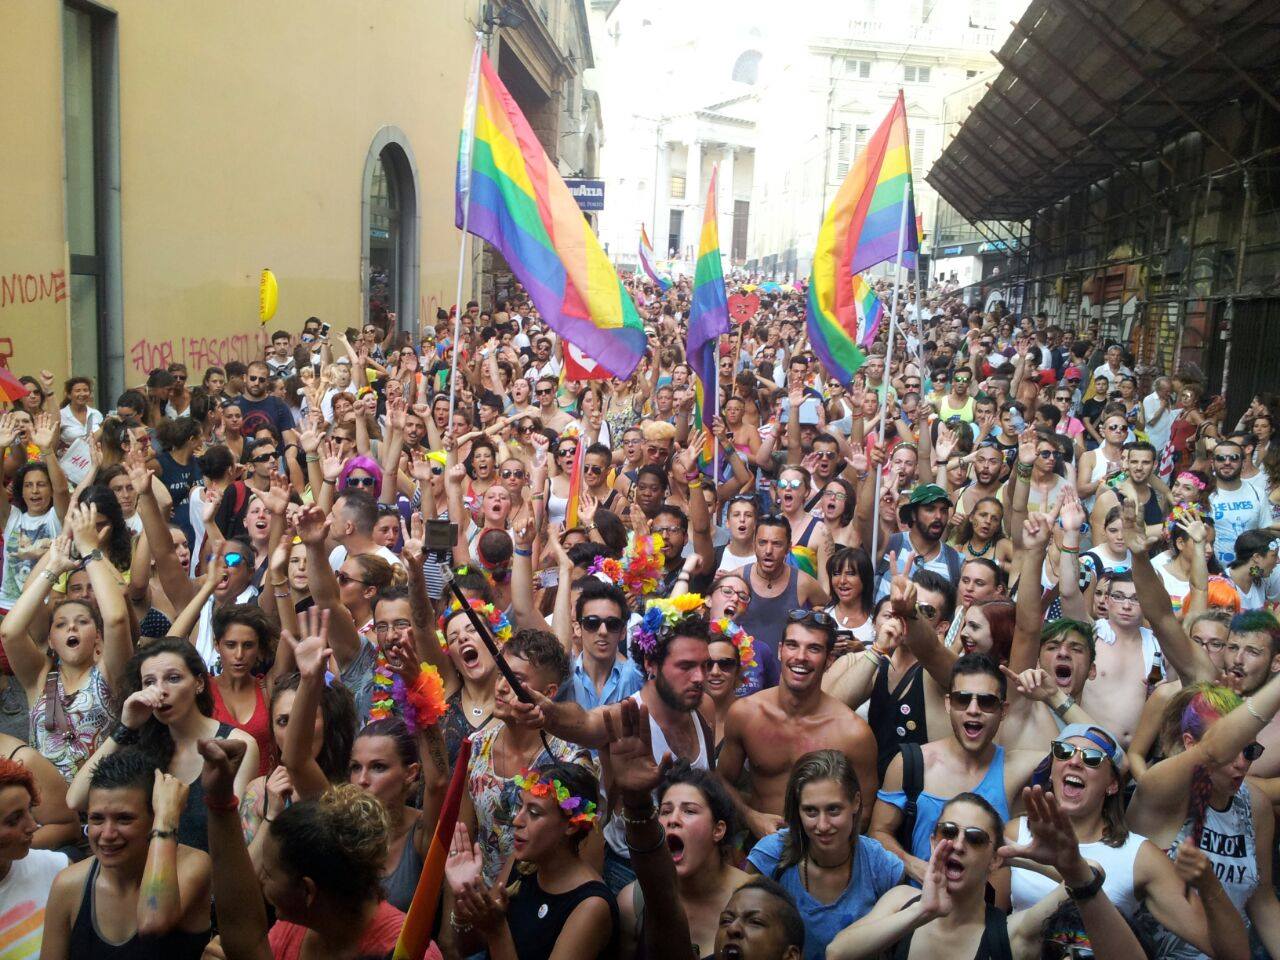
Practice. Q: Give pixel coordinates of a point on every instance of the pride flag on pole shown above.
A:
(870, 311)
(575, 484)
(646, 261)
(515, 199)
(860, 230)
(708, 319)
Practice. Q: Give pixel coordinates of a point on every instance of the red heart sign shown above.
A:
(742, 307)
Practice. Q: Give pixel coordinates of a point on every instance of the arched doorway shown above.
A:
(389, 261)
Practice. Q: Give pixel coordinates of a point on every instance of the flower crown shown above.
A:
(662, 614)
(726, 629)
(638, 571)
(499, 625)
(421, 705)
(579, 810)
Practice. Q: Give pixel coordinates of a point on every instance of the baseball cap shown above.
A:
(1071, 373)
(1102, 738)
(346, 360)
(928, 493)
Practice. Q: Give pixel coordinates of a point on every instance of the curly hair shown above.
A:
(14, 774)
(339, 842)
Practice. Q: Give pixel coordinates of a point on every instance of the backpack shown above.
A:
(912, 785)
(899, 542)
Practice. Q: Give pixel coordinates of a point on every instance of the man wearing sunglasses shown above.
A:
(1238, 505)
(774, 728)
(259, 407)
(549, 412)
(958, 403)
(600, 674)
(968, 760)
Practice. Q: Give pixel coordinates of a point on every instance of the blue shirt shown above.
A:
(624, 679)
(929, 805)
(875, 870)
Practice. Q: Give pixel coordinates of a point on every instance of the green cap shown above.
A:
(927, 493)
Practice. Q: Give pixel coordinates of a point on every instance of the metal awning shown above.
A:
(1088, 88)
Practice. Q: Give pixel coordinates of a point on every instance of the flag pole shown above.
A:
(715, 441)
(884, 390)
(464, 192)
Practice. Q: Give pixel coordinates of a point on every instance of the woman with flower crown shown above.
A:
(548, 902)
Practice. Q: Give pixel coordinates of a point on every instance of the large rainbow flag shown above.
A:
(509, 193)
(862, 228)
(647, 264)
(708, 319)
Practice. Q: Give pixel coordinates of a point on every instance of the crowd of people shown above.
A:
(970, 656)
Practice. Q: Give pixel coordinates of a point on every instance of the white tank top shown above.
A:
(1027, 887)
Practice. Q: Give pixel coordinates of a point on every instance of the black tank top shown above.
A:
(994, 944)
(193, 825)
(87, 944)
(896, 716)
(766, 617)
(537, 917)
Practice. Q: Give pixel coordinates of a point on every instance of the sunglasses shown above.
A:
(346, 579)
(1048, 454)
(437, 470)
(818, 617)
(1090, 756)
(929, 610)
(181, 377)
(526, 427)
(249, 377)
(826, 454)
(544, 393)
(388, 510)
(592, 468)
(723, 664)
(1117, 426)
(973, 836)
(568, 451)
(361, 481)
(1253, 751)
(233, 560)
(508, 474)
(790, 484)
(962, 379)
(592, 624)
(987, 702)
(1226, 458)
(266, 458)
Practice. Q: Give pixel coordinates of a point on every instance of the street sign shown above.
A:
(588, 193)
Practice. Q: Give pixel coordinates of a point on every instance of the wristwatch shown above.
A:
(1091, 888)
(1062, 708)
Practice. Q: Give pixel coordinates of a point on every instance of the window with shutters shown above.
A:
(917, 154)
(860, 137)
(860, 69)
(843, 148)
(913, 74)
(677, 186)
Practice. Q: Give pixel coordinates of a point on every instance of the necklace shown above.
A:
(804, 867)
(968, 548)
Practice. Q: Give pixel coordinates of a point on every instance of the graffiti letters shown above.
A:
(18, 289)
(196, 352)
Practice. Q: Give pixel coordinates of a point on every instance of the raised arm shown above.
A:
(1188, 659)
(920, 638)
(178, 587)
(341, 631)
(117, 638)
(173, 887)
(29, 662)
(312, 654)
(1028, 611)
(425, 641)
(242, 912)
(45, 436)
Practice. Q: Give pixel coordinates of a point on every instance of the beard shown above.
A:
(668, 695)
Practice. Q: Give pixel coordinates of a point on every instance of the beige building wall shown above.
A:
(244, 133)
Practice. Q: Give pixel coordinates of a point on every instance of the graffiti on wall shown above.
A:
(197, 352)
(23, 289)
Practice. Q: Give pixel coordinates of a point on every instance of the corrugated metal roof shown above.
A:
(1088, 87)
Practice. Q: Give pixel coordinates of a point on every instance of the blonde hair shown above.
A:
(658, 430)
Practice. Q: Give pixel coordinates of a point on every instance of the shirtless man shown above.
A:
(987, 467)
(968, 760)
(1251, 658)
(772, 729)
(776, 588)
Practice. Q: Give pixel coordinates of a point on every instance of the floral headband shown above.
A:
(1192, 479)
(638, 571)
(579, 810)
(499, 625)
(662, 614)
(726, 629)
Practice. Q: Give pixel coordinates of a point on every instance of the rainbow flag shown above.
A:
(861, 229)
(646, 262)
(575, 484)
(708, 319)
(509, 193)
(415, 934)
(870, 311)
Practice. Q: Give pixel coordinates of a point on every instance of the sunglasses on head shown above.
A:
(592, 624)
(987, 702)
(233, 559)
(361, 481)
(818, 617)
(1090, 756)
(973, 836)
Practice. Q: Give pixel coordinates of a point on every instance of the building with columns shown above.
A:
(823, 95)
(678, 86)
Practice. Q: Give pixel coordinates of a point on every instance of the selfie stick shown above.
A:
(486, 636)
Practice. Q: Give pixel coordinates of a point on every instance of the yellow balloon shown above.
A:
(268, 296)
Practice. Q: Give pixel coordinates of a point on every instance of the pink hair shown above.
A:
(368, 465)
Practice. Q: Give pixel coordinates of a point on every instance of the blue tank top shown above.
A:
(929, 805)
